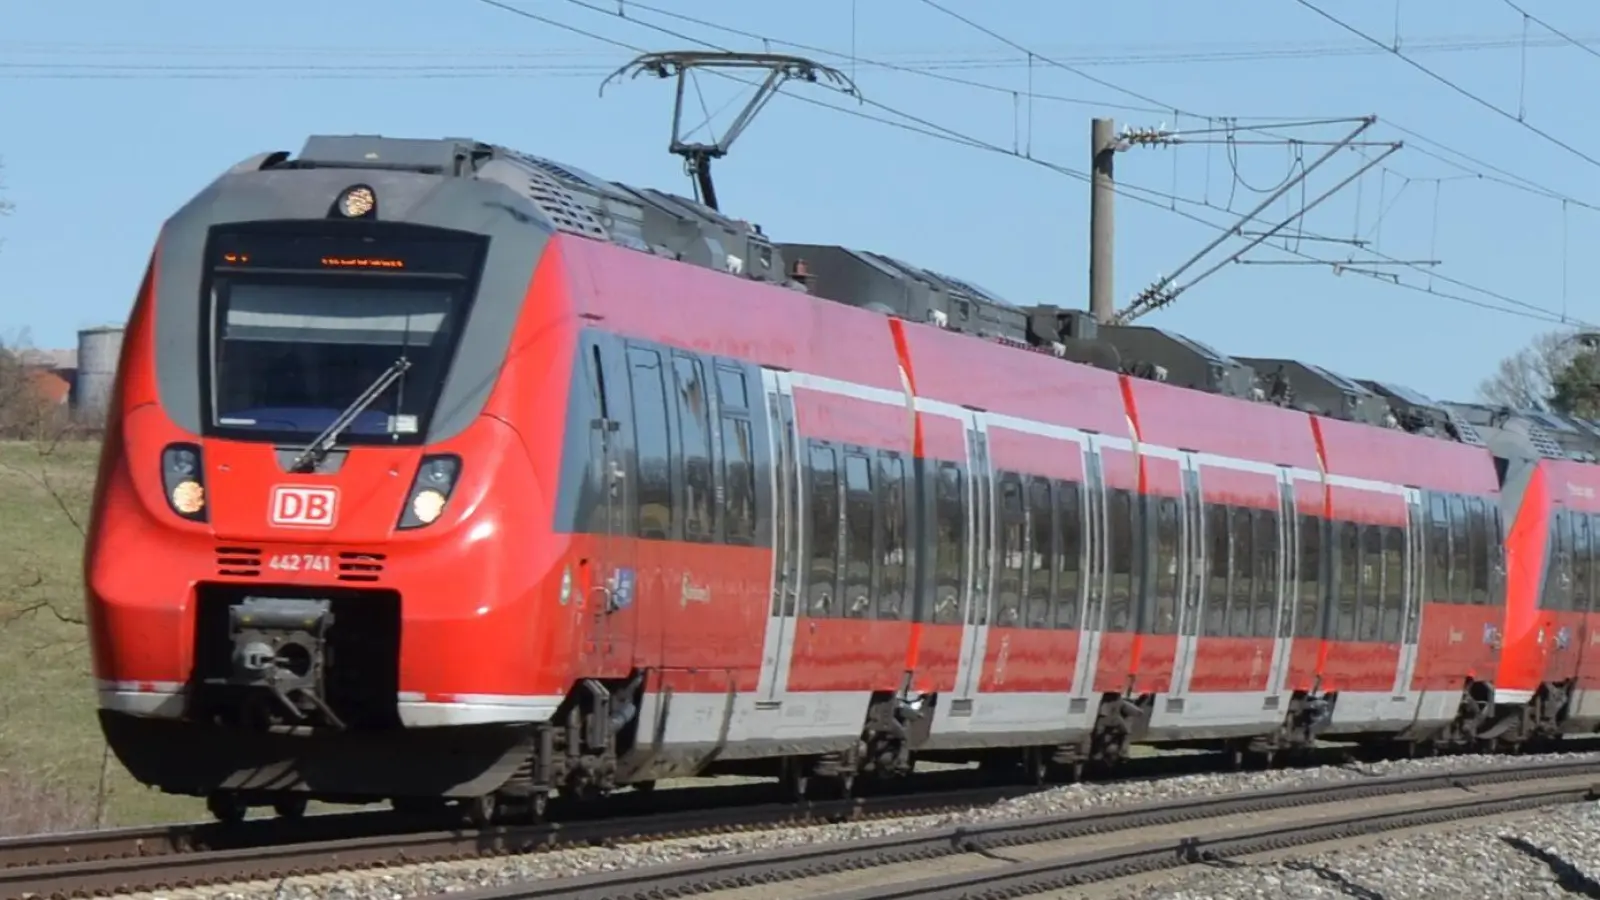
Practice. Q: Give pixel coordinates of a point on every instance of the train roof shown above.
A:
(664, 224)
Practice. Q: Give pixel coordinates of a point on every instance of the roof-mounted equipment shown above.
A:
(780, 68)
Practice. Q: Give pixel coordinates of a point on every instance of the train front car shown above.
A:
(321, 533)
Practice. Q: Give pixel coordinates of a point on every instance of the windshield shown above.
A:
(305, 318)
(290, 357)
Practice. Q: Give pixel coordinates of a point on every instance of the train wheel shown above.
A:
(795, 785)
(226, 808)
(291, 807)
(480, 810)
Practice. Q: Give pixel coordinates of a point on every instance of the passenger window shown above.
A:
(892, 503)
(1267, 562)
(1240, 621)
(1480, 551)
(1166, 576)
(1394, 584)
(731, 388)
(1460, 552)
(1438, 586)
(1349, 582)
(1041, 551)
(1370, 597)
(1308, 617)
(739, 479)
(1582, 563)
(1008, 609)
(950, 547)
(652, 442)
(1069, 581)
(694, 419)
(860, 531)
(1219, 541)
(824, 537)
(607, 492)
(1554, 597)
(1119, 606)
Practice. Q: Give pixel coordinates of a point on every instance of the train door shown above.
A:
(606, 576)
(1191, 573)
(1094, 565)
(1288, 584)
(788, 552)
(1416, 561)
(979, 593)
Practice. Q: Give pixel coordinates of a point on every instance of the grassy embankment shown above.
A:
(54, 772)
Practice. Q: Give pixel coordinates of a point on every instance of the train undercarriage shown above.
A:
(592, 747)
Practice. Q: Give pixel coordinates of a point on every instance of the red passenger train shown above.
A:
(438, 471)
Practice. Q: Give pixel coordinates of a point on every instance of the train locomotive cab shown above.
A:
(319, 541)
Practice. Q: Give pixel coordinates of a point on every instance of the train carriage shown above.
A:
(441, 472)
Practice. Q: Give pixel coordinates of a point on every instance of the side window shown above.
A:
(1119, 606)
(1394, 583)
(1219, 544)
(652, 443)
(1558, 578)
(1479, 537)
(823, 538)
(608, 513)
(1069, 579)
(731, 388)
(694, 421)
(1041, 552)
(950, 546)
(1370, 596)
(860, 531)
(1240, 622)
(1344, 623)
(1267, 562)
(1308, 618)
(738, 457)
(739, 477)
(1438, 549)
(1581, 562)
(892, 500)
(1166, 574)
(1460, 552)
(1013, 521)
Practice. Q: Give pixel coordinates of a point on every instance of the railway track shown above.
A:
(94, 864)
(1018, 858)
(98, 863)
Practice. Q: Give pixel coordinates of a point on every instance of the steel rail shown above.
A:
(787, 864)
(1026, 878)
(136, 873)
(41, 850)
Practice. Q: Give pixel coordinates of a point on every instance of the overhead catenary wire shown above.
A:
(1512, 306)
(1452, 85)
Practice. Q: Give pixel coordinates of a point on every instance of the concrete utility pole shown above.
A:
(1102, 192)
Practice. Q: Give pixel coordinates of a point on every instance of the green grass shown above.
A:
(51, 752)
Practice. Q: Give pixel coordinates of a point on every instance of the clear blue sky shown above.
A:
(116, 112)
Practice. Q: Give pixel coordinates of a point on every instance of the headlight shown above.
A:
(183, 479)
(430, 490)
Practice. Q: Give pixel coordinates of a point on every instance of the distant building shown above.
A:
(79, 378)
(52, 373)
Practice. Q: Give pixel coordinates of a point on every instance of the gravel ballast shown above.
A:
(432, 878)
(1547, 853)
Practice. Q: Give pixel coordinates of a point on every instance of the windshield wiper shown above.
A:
(318, 449)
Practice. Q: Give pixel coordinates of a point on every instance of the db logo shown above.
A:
(304, 507)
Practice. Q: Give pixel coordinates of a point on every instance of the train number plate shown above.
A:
(300, 562)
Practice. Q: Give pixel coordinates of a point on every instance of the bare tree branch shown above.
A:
(1526, 379)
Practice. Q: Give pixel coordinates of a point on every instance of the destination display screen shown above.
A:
(367, 248)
